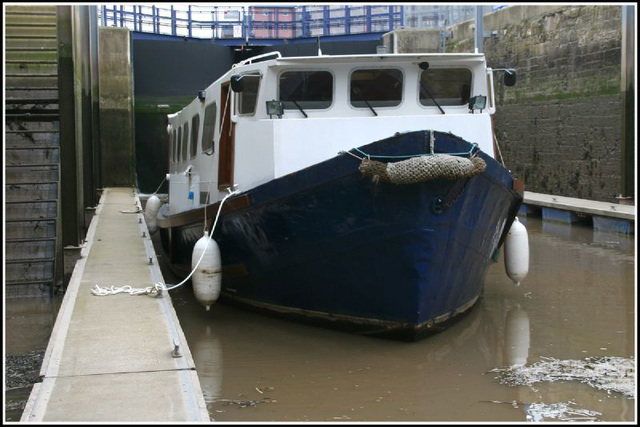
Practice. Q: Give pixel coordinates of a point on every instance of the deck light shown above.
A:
(478, 102)
(275, 108)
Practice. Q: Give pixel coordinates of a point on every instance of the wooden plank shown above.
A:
(38, 174)
(33, 80)
(29, 271)
(31, 93)
(38, 289)
(33, 156)
(34, 31)
(45, 250)
(27, 42)
(31, 192)
(30, 211)
(32, 140)
(31, 230)
(33, 8)
(28, 126)
(31, 67)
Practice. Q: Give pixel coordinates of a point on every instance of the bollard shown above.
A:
(176, 349)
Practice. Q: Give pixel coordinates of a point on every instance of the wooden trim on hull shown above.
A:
(193, 216)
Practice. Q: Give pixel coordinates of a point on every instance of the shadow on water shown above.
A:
(577, 302)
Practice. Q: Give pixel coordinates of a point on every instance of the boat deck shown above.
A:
(113, 358)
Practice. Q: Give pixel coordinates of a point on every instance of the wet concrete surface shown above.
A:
(578, 301)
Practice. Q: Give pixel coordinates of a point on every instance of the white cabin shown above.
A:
(327, 104)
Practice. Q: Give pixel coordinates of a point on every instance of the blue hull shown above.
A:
(329, 246)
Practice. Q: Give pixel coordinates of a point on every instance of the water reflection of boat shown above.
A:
(207, 354)
(393, 237)
(516, 337)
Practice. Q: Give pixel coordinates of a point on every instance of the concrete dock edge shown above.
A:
(109, 357)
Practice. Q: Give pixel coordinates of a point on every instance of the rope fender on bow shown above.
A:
(423, 168)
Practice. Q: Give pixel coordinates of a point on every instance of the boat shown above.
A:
(358, 192)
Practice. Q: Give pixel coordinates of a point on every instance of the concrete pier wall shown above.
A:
(117, 129)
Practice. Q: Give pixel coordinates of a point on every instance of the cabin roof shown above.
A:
(350, 59)
(393, 57)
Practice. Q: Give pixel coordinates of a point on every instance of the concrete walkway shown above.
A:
(111, 358)
(590, 207)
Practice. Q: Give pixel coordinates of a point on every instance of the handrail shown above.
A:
(253, 58)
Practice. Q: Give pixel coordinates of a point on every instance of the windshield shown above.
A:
(449, 86)
(309, 89)
(376, 88)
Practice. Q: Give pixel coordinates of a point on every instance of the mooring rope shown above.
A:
(158, 287)
(495, 139)
(163, 180)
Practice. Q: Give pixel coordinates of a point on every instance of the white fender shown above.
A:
(516, 252)
(207, 277)
(151, 212)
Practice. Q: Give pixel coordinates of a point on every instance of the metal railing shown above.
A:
(253, 22)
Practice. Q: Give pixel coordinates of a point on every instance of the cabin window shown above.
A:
(248, 98)
(185, 142)
(208, 128)
(179, 148)
(309, 89)
(376, 88)
(449, 86)
(195, 129)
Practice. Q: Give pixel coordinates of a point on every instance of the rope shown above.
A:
(158, 287)
(206, 202)
(163, 180)
(408, 156)
(432, 141)
(224, 115)
(498, 147)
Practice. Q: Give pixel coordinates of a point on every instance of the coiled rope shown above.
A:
(158, 287)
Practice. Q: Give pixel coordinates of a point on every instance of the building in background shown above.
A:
(437, 16)
(281, 22)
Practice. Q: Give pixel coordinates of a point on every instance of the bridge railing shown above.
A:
(253, 22)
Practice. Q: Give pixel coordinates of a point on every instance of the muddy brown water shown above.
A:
(578, 301)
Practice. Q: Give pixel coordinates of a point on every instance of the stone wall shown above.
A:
(560, 127)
